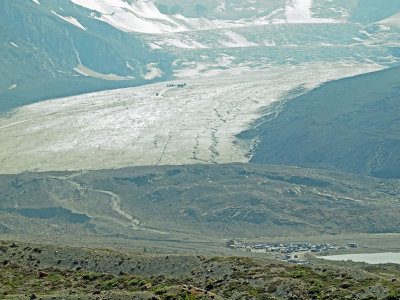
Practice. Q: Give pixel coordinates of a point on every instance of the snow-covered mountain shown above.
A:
(166, 16)
(145, 16)
(56, 48)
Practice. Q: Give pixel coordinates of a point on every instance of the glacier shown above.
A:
(237, 60)
(155, 124)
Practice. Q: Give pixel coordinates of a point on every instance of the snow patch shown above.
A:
(85, 71)
(236, 40)
(193, 69)
(70, 20)
(139, 16)
(384, 27)
(269, 44)
(225, 60)
(221, 7)
(129, 66)
(177, 44)
(154, 72)
(143, 16)
(299, 11)
(393, 20)
(184, 43)
(154, 46)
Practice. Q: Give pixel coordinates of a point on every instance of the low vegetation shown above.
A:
(208, 278)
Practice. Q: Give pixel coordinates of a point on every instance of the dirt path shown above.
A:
(116, 206)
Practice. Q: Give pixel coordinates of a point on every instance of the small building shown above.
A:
(230, 243)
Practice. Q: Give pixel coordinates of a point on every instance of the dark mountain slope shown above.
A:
(350, 125)
(41, 51)
(198, 200)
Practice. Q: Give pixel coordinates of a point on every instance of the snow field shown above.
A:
(143, 16)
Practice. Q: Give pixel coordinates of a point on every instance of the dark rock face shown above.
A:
(349, 125)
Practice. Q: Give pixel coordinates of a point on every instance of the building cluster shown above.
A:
(287, 252)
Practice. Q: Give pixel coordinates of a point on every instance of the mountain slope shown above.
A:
(350, 125)
(201, 201)
(51, 52)
(368, 11)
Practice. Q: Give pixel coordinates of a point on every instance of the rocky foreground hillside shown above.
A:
(49, 272)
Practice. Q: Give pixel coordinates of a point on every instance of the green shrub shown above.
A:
(160, 291)
(109, 284)
(187, 296)
(132, 282)
(253, 291)
(298, 274)
(90, 276)
(210, 285)
(394, 295)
